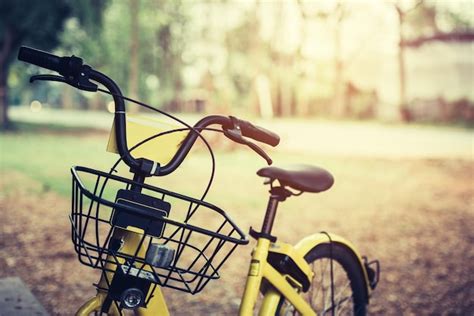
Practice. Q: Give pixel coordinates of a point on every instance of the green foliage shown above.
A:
(35, 23)
(52, 161)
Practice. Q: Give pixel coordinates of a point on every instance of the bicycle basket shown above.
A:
(112, 230)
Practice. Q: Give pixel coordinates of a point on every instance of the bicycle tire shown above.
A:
(343, 262)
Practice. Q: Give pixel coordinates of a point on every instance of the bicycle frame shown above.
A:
(260, 269)
(279, 283)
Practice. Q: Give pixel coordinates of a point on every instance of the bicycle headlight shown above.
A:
(132, 298)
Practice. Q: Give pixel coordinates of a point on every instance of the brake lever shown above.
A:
(236, 136)
(260, 151)
(79, 82)
(47, 78)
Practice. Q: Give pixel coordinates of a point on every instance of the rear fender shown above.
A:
(306, 244)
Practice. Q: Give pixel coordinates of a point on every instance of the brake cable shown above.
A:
(188, 127)
(211, 178)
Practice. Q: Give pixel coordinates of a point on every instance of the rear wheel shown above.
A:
(345, 295)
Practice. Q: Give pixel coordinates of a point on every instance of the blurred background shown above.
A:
(378, 92)
(405, 60)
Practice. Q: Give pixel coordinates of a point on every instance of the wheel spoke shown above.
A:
(340, 307)
(324, 287)
(344, 300)
(324, 262)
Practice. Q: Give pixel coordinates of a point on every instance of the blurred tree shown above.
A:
(402, 12)
(245, 57)
(338, 99)
(167, 47)
(142, 44)
(134, 47)
(28, 23)
(334, 17)
(430, 22)
(38, 24)
(83, 34)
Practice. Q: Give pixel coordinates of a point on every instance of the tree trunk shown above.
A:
(403, 106)
(4, 60)
(134, 46)
(404, 112)
(338, 100)
(4, 121)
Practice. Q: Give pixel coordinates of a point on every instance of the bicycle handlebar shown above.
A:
(40, 58)
(257, 133)
(78, 74)
(66, 66)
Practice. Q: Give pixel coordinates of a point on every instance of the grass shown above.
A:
(48, 143)
(47, 158)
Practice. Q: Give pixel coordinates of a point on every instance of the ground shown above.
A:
(421, 231)
(414, 214)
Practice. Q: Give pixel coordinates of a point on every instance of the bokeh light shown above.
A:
(111, 107)
(35, 106)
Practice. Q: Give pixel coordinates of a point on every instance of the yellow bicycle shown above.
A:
(144, 238)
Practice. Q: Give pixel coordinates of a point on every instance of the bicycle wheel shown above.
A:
(348, 284)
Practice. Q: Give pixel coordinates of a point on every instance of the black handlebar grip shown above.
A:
(259, 133)
(40, 58)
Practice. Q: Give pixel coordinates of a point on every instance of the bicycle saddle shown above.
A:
(300, 177)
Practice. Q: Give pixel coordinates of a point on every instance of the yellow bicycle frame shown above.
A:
(283, 285)
(260, 269)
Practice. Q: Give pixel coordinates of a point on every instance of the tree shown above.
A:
(134, 47)
(401, 14)
(339, 13)
(335, 18)
(38, 24)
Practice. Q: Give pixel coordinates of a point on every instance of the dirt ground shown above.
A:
(415, 215)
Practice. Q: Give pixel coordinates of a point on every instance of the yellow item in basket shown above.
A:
(160, 149)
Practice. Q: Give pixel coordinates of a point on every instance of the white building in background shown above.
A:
(444, 70)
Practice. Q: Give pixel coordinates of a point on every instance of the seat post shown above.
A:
(270, 215)
(277, 194)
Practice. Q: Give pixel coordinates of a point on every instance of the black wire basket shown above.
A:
(178, 241)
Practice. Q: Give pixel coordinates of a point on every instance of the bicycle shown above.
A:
(143, 237)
